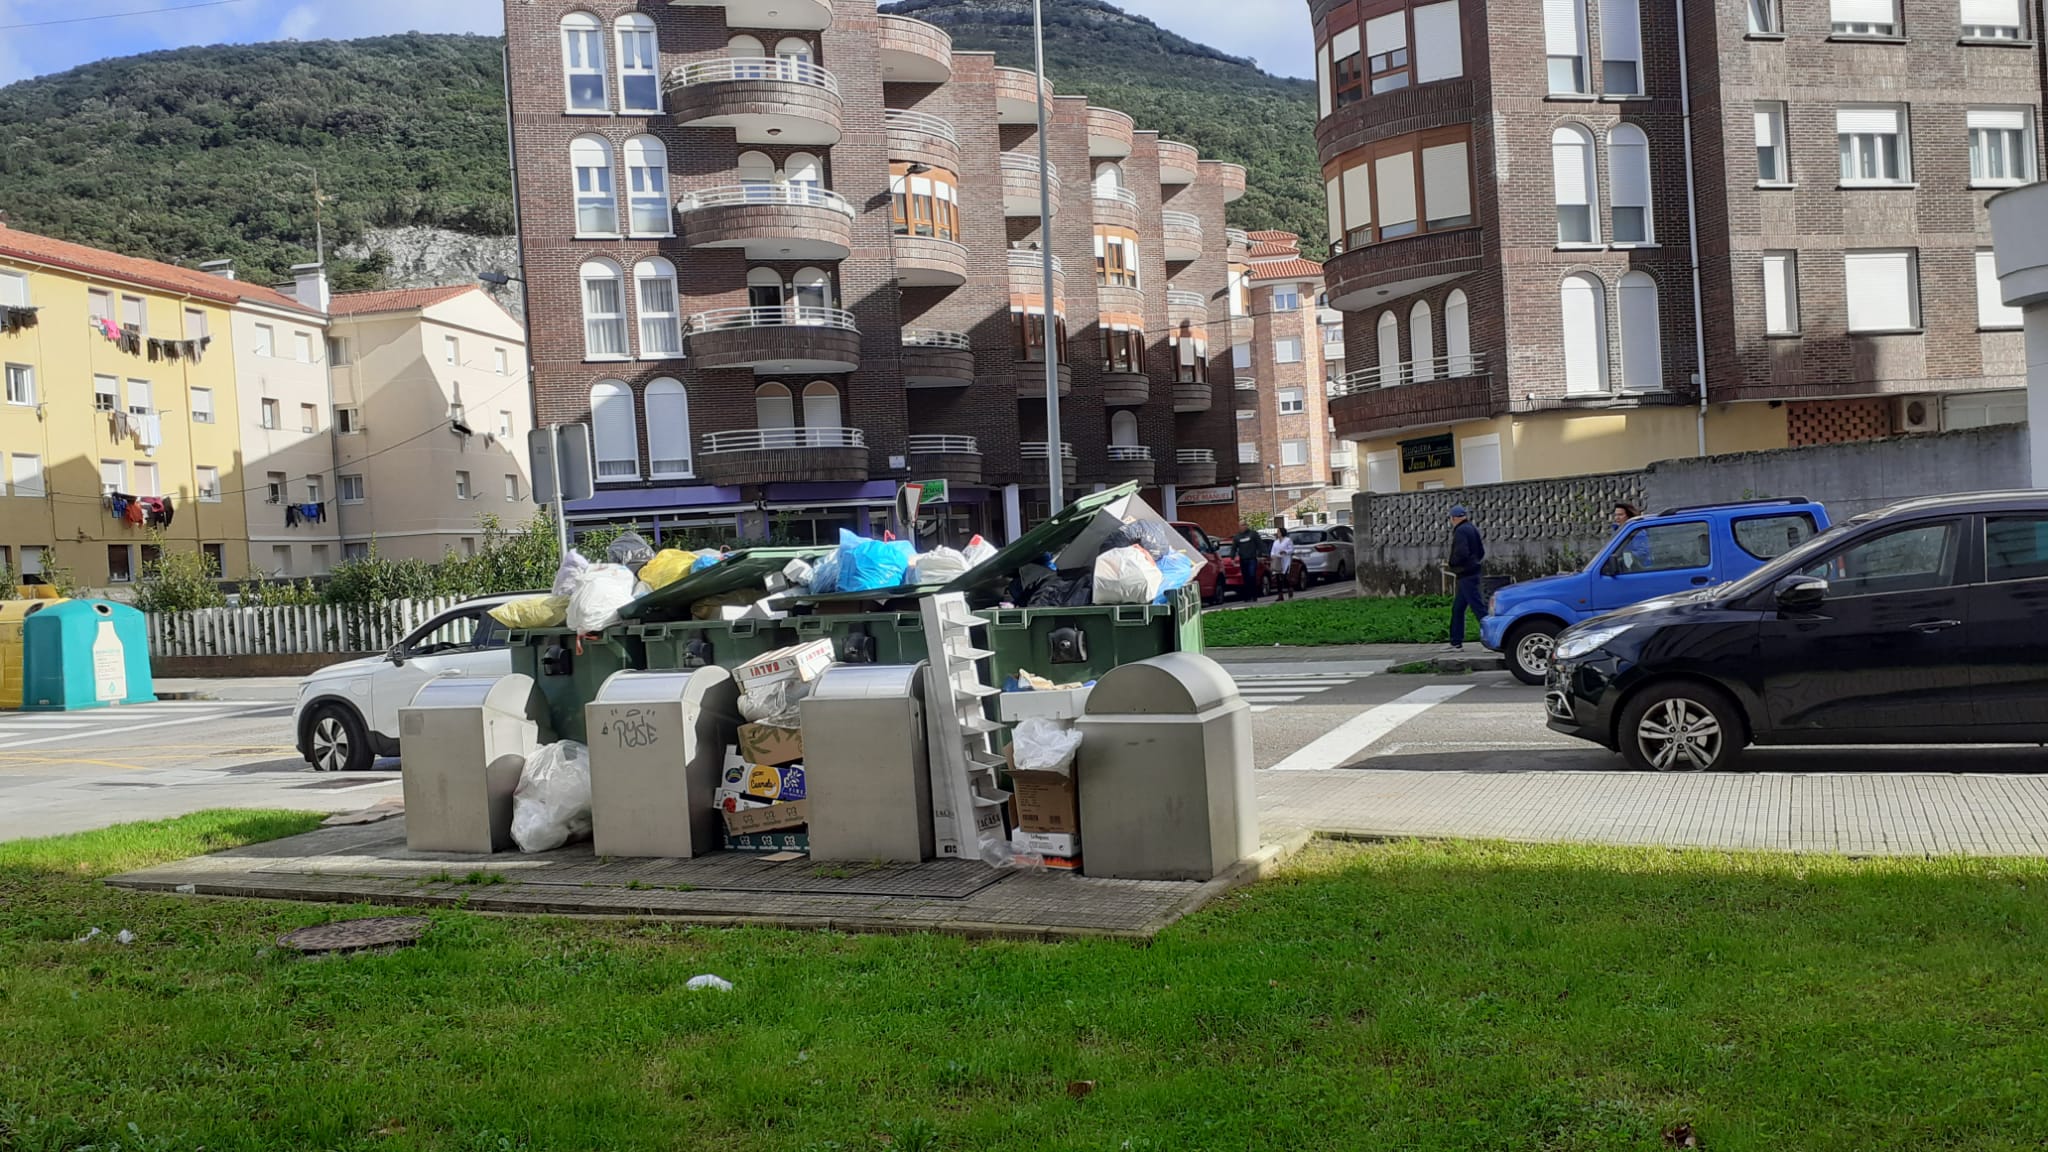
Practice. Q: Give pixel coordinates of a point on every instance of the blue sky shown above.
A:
(1280, 45)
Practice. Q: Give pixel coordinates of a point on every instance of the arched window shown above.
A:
(773, 407)
(813, 291)
(647, 187)
(1642, 344)
(1123, 428)
(583, 62)
(1571, 174)
(758, 176)
(794, 52)
(604, 311)
(764, 288)
(748, 56)
(1390, 349)
(1421, 342)
(1458, 334)
(597, 205)
(803, 169)
(821, 414)
(616, 439)
(1109, 178)
(668, 430)
(639, 86)
(1585, 334)
(661, 330)
(1628, 183)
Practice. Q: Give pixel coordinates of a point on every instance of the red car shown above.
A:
(1219, 570)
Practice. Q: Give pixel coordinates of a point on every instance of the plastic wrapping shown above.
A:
(1042, 745)
(570, 573)
(630, 549)
(776, 704)
(799, 573)
(1175, 572)
(865, 565)
(603, 590)
(705, 560)
(978, 552)
(668, 566)
(940, 566)
(825, 575)
(1126, 576)
(532, 612)
(551, 805)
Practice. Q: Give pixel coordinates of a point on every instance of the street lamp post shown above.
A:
(1054, 459)
(1272, 492)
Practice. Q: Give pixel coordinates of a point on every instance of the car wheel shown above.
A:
(1528, 648)
(1681, 727)
(336, 740)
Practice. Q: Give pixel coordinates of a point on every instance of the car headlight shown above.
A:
(1493, 604)
(1576, 644)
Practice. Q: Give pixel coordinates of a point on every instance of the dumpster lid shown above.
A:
(868, 682)
(630, 687)
(1176, 684)
(513, 694)
(747, 569)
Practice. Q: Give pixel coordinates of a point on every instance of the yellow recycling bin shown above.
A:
(12, 660)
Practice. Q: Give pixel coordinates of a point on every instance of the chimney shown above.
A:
(221, 268)
(309, 286)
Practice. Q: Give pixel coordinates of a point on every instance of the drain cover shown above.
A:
(356, 935)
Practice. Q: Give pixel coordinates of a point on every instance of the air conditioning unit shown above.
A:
(1919, 414)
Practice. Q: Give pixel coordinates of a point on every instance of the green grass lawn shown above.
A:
(1365, 620)
(1404, 996)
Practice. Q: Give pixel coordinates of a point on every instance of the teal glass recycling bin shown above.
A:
(85, 654)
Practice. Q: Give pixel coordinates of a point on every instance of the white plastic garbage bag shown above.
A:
(599, 595)
(775, 704)
(570, 573)
(979, 552)
(1042, 745)
(940, 565)
(551, 805)
(1125, 576)
(714, 983)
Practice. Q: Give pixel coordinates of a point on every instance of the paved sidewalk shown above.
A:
(242, 688)
(1473, 659)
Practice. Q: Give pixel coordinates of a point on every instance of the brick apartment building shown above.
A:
(783, 255)
(1515, 189)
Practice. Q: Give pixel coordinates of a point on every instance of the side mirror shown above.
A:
(1801, 593)
(396, 656)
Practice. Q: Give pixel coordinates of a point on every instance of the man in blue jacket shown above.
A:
(1468, 555)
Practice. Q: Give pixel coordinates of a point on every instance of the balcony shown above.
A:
(1367, 403)
(1363, 277)
(936, 359)
(1031, 379)
(954, 458)
(789, 339)
(1110, 133)
(1017, 92)
(1178, 163)
(1195, 467)
(1409, 372)
(1127, 299)
(921, 138)
(929, 262)
(766, 101)
(1126, 389)
(1240, 243)
(1020, 184)
(791, 15)
(914, 52)
(1027, 277)
(1229, 177)
(1130, 463)
(1116, 207)
(1035, 455)
(1192, 396)
(1182, 235)
(1186, 308)
(784, 455)
(769, 221)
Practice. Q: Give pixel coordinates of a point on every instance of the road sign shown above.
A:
(577, 480)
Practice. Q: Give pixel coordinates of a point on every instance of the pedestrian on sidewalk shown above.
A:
(1468, 556)
(1283, 565)
(1245, 547)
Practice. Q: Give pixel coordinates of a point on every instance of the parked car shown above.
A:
(1923, 623)
(347, 714)
(1325, 553)
(1651, 556)
(1211, 573)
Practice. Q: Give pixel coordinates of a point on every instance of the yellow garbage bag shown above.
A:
(668, 566)
(533, 612)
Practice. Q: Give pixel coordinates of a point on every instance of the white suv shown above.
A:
(347, 714)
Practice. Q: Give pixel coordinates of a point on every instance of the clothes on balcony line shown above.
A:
(15, 317)
(156, 511)
(297, 514)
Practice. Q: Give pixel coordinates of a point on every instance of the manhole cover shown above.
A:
(356, 935)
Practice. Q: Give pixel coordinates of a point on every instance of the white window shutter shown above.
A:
(1323, 79)
(1766, 129)
(1395, 177)
(1446, 182)
(1848, 120)
(1880, 290)
(1998, 12)
(1998, 119)
(1390, 348)
(1344, 43)
(1561, 28)
(1864, 11)
(1358, 196)
(1642, 345)
(1439, 45)
(1335, 198)
(1621, 33)
(1585, 336)
(1568, 168)
(1628, 163)
(1991, 307)
(668, 428)
(1780, 293)
(1386, 33)
(612, 427)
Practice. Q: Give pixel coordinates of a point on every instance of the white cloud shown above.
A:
(1282, 42)
(386, 17)
(298, 24)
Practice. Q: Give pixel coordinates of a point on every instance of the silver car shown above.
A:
(1325, 553)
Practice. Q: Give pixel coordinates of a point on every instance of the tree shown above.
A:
(177, 580)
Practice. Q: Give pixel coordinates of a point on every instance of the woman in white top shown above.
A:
(1283, 565)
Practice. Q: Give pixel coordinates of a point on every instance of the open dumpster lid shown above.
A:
(737, 571)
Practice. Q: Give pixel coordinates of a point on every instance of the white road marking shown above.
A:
(1266, 693)
(1339, 745)
(120, 729)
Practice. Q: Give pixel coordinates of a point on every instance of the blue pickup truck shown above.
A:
(1674, 551)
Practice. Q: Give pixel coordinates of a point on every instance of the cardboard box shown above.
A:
(801, 662)
(769, 842)
(765, 782)
(734, 799)
(1054, 851)
(749, 821)
(1058, 704)
(1046, 802)
(766, 744)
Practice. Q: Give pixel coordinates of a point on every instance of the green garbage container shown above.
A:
(680, 644)
(867, 637)
(570, 670)
(1075, 645)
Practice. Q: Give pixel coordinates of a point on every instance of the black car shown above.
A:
(1923, 623)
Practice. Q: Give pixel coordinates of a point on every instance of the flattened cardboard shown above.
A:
(750, 821)
(767, 744)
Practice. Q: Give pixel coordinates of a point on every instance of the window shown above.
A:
(1292, 401)
(202, 405)
(140, 400)
(1286, 300)
(821, 412)
(1628, 176)
(309, 418)
(337, 352)
(661, 327)
(2001, 146)
(774, 407)
(100, 303)
(209, 484)
(511, 487)
(1247, 414)
(302, 347)
(120, 563)
(146, 481)
(500, 363)
(1116, 257)
(668, 429)
(21, 384)
(313, 494)
(1865, 17)
(462, 485)
(1446, 185)
(647, 187)
(355, 551)
(113, 477)
(1247, 452)
(14, 289)
(1293, 453)
(1287, 350)
(813, 288)
(1393, 182)
(639, 86)
(1883, 290)
(458, 415)
(1873, 145)
(1386, 51)
(106, 395)
(348, 421)
(321, 564)
(1458, 335)
(1439, 45)
(1908, 560)
(1765, 19)
(597, 206)
(1664, 548)
(1241, 356)
(1781, 293)
(271, 417)
(1769, 537)
(1564, 44)
(32, 560)
(1190, 357)
(1584, 301)
(134, 314)
(1382, 473)
(349, 488)
(604, 311)
(1027, 330)
(25, 471)
(451, 351)
(1642, 341)
(1421, 343)
(280, 559)
(216, 556)
(195, 324)
(1993, 20)
(1621, 48)
(616, 435)
(1390, 349)
(2015, 548)
(1771, 167)
(1571, 174)
(1123, 348)
(583, 62)
(504, 423)
(1992, 311)
(265, 342)
(1347, 50)
(274, 487)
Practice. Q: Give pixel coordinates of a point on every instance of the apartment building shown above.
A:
(285, 423)
(1515, 192)
(785, 255)
(429, 424)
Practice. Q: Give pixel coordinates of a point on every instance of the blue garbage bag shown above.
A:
(865, 565)
(1175, 570)
(707, 560)
(825, 574)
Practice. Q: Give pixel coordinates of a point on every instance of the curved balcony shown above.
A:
(769, 221)
(929, 262)
(1126, 389)
(1195, 467)
(1368, 402)
(1030, 379)
(1110, 133)
(784, 455)
(1020, 184)
(1178, 163)
(1182, 234)
(936, 359)
(954, 458)
(1121, 298)
(1229, 177)
(1192, 396)
(764, 100)
(1035, 455)
(1363, 277)
(922, 138)
(1116, 207)
(1017, 92)
(792, 15)
(1240, 243)
(1027, 277)
(1130, 463)
(790, 339)
(914, 52)
(1186, 308)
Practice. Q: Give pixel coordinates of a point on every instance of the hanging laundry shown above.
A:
(199, 347)
(118, 503)
(156, 350)
(291, 515)
(118, 425)
(156, 511)
(172, 350)
(170, 510)
(14, 318)
(134, 512)
(149, 431)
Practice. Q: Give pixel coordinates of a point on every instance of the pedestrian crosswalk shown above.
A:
(1265, 693)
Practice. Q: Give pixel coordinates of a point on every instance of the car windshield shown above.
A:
(1797, 558)
(1308, 536)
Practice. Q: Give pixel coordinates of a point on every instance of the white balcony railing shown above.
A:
(779, 439)
(1129, 453)
(774, 316)
(1247, 384)
(936, 338)
(1036, 450)
(1181, 220)
(1117, 193)
(944, 445)
(1195, 456)
(1026, 258)
(1409, 372)
(1028, 165)
(796, 195)
(923, 122)
(1178, 299)
(728, 69)
(1238, 237)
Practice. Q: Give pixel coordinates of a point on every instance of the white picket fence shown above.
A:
(290, 631)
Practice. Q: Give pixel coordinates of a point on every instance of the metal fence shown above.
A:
(290, 631)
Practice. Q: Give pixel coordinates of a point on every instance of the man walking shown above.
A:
(1245, 546)
(1468, 556)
